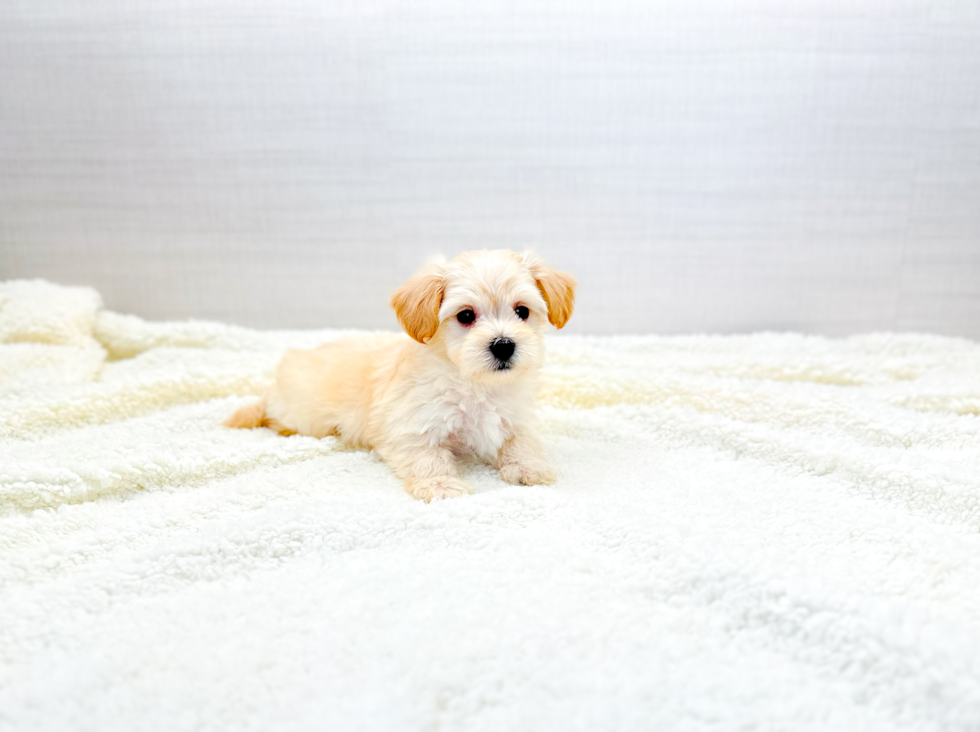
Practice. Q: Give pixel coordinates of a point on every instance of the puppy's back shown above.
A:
(330, 389)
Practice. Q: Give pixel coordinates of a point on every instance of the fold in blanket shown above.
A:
(770, 531)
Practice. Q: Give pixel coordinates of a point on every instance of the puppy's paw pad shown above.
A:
(531, 472)
(438, 488)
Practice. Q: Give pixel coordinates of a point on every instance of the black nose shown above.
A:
(502, 348)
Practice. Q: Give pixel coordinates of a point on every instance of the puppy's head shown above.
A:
(485, 311)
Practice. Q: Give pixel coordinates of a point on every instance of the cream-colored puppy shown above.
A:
(463, 388)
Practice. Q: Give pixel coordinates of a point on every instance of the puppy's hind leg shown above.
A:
(248, 417)
(254, 415)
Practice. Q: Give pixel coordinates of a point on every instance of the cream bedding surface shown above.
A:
(756, 532)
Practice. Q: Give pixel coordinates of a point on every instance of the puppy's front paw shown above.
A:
(528, 472)
(437, 488)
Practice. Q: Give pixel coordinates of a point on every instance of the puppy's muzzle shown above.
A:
(502, 349)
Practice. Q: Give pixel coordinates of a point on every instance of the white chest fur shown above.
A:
(469, 417)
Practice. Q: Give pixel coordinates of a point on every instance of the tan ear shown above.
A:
(558, 289)
(417, 302)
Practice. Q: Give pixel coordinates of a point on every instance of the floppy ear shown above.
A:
(558, 289)
(417, 302)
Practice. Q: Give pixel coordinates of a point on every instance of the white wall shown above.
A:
(715, 165)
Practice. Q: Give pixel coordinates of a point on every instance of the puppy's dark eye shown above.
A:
(522, 312)
(465, 316)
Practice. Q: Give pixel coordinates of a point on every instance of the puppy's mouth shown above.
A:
(503, 366)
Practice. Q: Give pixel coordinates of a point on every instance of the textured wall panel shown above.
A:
(701, 166)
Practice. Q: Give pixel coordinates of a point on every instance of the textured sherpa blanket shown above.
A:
(766, 532)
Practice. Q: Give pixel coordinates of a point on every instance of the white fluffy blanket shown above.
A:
(767, 532)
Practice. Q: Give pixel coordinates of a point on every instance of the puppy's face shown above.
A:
(485, 311)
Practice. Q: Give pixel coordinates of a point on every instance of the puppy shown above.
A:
(460, 388)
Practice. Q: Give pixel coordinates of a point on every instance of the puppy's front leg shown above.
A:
(427, 472)
(520, 461)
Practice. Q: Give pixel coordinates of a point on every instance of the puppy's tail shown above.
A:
(248, 417)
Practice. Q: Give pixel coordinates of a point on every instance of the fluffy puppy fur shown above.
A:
(455, 390)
